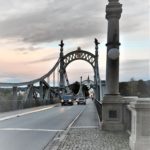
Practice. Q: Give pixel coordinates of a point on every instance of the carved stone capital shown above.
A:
(113, 9)
(113, 0)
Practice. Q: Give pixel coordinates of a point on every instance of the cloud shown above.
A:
(30, 48)
(51, 20)
(32, 23)
(58, 20)
(135, 17)
(137, 69)
(45, 59)
(14, 77)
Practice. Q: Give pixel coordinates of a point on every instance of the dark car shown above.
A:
(67, 100)
(81, 100)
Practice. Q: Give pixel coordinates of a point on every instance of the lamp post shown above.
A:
(112, 104)
(62, 81)
(113, 14)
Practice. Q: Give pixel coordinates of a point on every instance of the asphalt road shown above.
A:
(34, 130)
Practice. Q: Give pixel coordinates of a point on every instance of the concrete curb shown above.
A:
(61, 136)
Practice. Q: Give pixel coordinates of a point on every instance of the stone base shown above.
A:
(140, 132)
(112, 113)
(112, 126)
(139, 144)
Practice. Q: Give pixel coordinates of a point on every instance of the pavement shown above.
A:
(58, 127)
(86, 134)
(34, 129)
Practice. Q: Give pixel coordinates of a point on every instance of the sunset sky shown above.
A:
(31, 30)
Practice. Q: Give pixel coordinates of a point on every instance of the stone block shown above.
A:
(140, 129)
(112, 113)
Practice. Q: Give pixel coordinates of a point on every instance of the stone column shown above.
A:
(112, 105)
(140, 127)
(113, 14)
(62, 80)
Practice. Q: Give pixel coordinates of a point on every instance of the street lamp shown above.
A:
(113, 53)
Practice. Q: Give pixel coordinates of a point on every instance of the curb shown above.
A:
(61, 136)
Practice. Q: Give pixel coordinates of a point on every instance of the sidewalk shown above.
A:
(85, 134)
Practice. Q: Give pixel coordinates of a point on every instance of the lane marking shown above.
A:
(76, 118)
(26, 129)
(26, 113)
(78, 127)
(52, 145)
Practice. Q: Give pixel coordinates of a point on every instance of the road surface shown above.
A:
(33, 130)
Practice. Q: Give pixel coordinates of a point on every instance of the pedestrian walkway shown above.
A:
(85, 134)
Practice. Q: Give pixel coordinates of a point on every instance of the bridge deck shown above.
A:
(34, 128)
(86, 134)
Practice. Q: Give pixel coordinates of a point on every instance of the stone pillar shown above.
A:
(62, 80)
(112, 105)
(113, 14)
(140, 127)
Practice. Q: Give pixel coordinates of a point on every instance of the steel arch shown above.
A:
(79, 55)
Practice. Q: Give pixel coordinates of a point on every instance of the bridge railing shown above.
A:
(139, 110)
(98, 105)
(127, 113)
(8, 105)
(127, 119)
(33, 93)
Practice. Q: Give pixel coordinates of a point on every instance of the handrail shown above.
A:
(99, 108)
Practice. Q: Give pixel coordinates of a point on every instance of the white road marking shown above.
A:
(26, 113)
(76, 118)
(26, 129)
(85, 127)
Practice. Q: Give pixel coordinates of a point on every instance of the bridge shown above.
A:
(40, 128)
(42, 90)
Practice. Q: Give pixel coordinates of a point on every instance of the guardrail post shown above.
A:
(14, 104)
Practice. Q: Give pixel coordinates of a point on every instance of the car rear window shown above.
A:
(81, 98)
(67, 97)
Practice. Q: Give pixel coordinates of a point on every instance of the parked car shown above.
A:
(81, 100)
(67, 100)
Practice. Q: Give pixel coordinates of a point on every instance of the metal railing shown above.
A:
(98, 105)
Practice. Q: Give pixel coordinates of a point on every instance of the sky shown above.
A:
(31, 30)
